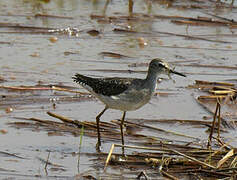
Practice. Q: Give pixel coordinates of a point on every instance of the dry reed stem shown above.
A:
(219, 119)
(42, 88)
(109, 156)
(170, 150)
(158, 129)
(216, 152)
(166, 174)
(46, 163)
(213, 126)
(225, 158)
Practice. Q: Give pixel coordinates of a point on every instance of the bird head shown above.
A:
(160, 66)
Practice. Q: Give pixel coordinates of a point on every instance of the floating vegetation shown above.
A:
(26, 29)
(170, 159)
(29, 95)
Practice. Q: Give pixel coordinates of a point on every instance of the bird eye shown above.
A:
(160, 65)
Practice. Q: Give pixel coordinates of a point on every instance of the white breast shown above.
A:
(127, 101)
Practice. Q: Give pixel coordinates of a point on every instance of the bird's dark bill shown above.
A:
(178, 73)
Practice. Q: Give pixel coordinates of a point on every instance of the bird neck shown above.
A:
(151, 80)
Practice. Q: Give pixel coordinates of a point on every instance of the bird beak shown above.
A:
(175, 72)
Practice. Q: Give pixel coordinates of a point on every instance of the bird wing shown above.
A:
(104, 86)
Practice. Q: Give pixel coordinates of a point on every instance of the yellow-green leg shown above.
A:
(98, 128)
(121, 129)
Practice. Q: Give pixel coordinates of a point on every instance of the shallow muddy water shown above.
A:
(36, 56)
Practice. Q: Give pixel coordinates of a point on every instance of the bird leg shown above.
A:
(98, 128)
(121, 129)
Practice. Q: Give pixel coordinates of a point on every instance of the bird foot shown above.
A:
(98, 147)
(124, 157)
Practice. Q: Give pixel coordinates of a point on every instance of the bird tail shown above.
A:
(78, 78)
(83, 80)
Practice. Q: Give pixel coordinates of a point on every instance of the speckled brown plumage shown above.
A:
(104, 86)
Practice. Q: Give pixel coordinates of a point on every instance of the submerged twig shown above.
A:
(46, 164)
(142, 174)
(170, 34)
(2, 153)
(52, 16)
(166, 174)
(162, 130)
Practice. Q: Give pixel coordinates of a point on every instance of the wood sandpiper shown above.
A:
(125, 94)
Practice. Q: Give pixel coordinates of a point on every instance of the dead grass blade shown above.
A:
(225, 158)
(192, 159)
(158, 129)
(109, 156)
(233, 164)
(213, 125)
(31, 88)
